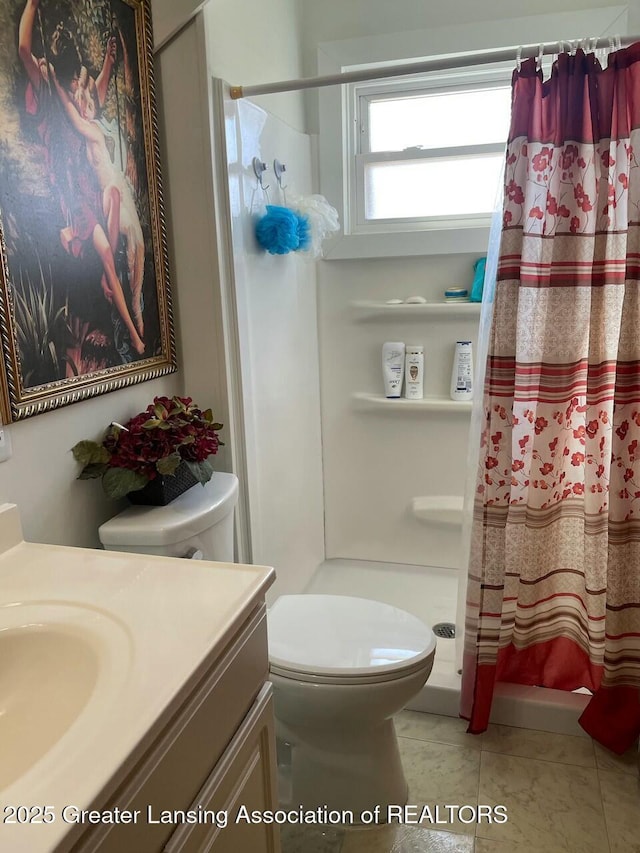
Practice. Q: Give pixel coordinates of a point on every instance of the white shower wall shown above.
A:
(376, 462)
(278, 343)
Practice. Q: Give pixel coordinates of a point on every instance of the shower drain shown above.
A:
(445, 629)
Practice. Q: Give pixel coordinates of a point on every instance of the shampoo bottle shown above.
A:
(392, 368)
(414, 373)
(462, 372)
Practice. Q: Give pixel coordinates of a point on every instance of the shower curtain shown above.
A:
(554, 571)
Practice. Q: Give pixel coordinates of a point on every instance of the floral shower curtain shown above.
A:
(554, 574)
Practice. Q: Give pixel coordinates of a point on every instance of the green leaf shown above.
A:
(89, 453)
(217, 426)
(117, 482)
(168, 464)
(202, 471)
(208, 416)
(152, 423)
(93, 471)
(161, 412)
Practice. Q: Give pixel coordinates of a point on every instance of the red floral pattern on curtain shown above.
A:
(554, 574)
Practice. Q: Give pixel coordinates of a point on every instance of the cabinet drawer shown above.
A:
(245, 776)
(177, 765)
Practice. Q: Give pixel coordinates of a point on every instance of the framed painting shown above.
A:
(85, 305)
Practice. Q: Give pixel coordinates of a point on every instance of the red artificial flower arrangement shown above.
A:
(170, 432)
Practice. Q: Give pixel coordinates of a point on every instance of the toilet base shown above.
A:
(352, 770)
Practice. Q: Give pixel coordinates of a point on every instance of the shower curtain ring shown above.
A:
(519, 58)
(539, 58)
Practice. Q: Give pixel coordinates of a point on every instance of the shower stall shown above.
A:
(343, 491)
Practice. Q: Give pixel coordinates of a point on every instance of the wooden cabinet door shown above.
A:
(244, 777)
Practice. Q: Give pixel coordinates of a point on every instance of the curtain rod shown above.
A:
(460, 60)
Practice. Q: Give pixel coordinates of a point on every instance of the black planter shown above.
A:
(163, 490)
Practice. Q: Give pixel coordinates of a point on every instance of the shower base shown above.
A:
(430, 593)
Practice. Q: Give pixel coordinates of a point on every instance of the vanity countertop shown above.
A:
(118, 634)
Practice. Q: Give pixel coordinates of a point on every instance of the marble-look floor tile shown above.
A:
(441, 775)
(487, 845)
(626, 763)
(527, 743)
(404, 839)
(556, 807)
(306, 838)
(621, 800)
(453, 730)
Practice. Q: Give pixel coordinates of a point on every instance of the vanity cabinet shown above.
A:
(216, 753)
(242, 778)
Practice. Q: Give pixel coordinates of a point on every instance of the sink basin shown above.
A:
(46, 678)
(56, 660)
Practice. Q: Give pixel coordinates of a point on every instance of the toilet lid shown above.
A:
(345, 637)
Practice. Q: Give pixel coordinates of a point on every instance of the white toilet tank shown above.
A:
(198, 523)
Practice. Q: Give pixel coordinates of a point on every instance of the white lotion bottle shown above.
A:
(462, 372)
(414, 372)
(392, 368)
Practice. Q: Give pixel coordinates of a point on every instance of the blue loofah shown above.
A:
(304, 232)
(278, 231)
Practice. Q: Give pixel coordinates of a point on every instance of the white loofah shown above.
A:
(323, 219)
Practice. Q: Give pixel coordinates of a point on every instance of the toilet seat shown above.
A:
(336, 639)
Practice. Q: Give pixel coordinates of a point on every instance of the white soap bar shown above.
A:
(393, 302)
(415, 300)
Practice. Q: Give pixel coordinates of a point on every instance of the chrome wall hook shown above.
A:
(259, 169)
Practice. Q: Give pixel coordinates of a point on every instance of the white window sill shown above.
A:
(392, 245)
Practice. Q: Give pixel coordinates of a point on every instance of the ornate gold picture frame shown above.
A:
(85, 305)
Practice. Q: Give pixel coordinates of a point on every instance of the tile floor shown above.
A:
(563, 794)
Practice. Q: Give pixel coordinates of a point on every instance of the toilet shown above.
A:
(196, 525)
(340, 666)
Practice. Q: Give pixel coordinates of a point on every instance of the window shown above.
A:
(429, 153)
(391, 151)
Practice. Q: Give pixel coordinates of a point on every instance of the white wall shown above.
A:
(169, 16)
(183, 95)
(336, 19)
(376, 462)
(41, 475)
(277, 321)
(253, 42)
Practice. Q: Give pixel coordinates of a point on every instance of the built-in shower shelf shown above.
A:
(439, 509)
(371, 310)
(400, 404)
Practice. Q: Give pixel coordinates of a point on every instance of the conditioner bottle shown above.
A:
(462, 372)
(414, 373)
(392, 368)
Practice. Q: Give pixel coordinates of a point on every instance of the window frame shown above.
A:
(359, 97)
